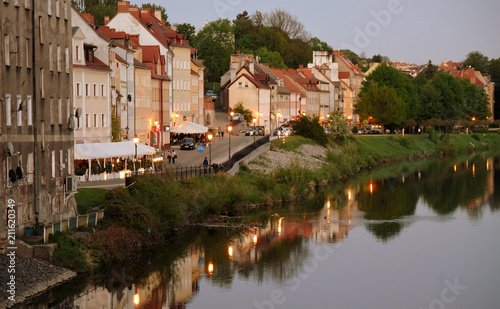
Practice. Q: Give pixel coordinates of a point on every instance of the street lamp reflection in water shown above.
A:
(210, 268)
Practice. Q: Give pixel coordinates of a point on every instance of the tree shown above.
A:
(157, 7)
(272, 58)
(215, 46)
(247, 114)
(452, 95)
(188, 30)
(476, 101)
(477, 60)
(288, 23)
(317, 44)
(430, 71)
(432, 102)
(383, 105)
(391, 77)
(338, 125)
(311, 128)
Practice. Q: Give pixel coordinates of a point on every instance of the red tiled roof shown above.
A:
(286, 81)
(96, 65)
(344, 75)
(354, 68)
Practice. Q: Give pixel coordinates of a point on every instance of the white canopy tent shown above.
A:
(111, 150)
(189, 128)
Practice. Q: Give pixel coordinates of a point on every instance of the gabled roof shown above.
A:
(140, 65)
(95, 65)
(352, 67)
(286, 81)
(248, 75)
(344, 75)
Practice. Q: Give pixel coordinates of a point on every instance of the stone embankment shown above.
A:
(32, 277)
(308, 156)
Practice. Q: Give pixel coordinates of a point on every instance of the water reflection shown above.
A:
(277, 249)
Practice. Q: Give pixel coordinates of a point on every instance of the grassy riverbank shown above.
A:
(156, 208)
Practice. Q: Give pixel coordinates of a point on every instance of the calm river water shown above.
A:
(416, 235)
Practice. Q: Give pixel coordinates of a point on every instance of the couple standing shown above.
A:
(171, 156)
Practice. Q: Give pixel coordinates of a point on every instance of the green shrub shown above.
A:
(70, 253)
(355, 130)
(311, 128)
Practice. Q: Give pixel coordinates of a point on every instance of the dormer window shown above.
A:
(89, 52)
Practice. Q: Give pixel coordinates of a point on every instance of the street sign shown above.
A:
(200, 148)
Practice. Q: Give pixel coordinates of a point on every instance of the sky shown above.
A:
(413, 31)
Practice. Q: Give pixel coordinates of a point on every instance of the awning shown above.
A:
(111, 150)
(189, 128)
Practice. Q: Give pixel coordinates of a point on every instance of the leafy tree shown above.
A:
(311, 128)
(430, 71)
(377, 58)
(338, 125)
(476, 101)
(452, 95)
(272, 58)
(247, 114)
(352, 56)
(115, 129)
(391, 77)
(432, 102)
(477, 60)
(383, 105)
(215, 46)
(317, 44)
(188, 30)
(157, 7)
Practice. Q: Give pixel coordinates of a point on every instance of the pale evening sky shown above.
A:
(405, 30)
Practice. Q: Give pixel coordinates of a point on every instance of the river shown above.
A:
(414, 235)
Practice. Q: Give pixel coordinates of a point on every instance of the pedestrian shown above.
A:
(174, 156)
(222, 133)
(169, 156)
(205, 164)
(218, 132)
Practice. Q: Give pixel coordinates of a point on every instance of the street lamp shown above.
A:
(136, 141)
(254, 121)
(210, 136)
(229, 129)
(157, 127)
(278, 120)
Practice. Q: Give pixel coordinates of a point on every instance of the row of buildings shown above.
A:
(330, 83)
(65, 81)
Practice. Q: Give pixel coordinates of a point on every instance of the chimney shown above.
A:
(146, 15)
(123, 6)
(251, 67)
(135, 12)
(106, 20)
(88, 17)
(158, 14)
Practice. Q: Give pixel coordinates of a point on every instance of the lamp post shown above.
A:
(229, 129)
(157, 127)
(254, 121)
(136, 141)
(210, 136)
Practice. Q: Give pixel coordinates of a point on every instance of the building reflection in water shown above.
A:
(276, 250)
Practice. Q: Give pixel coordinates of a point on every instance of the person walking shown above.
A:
(219, 132)
(169, 156)
(205, 164)
(174, 156)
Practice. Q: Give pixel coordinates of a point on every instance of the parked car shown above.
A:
(259, 130)
(374, 131)
(248, 131)
(237, 116)
(187, 143)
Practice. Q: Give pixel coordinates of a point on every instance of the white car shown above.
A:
(237, 116)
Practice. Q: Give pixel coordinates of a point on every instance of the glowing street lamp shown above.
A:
(229, 129)
(210, 136)
(136, 141)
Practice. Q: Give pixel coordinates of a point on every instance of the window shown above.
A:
(246, 84)
(42, 84)
(95, 90)
(194, 82)
(8, 120)
(240, 84)
(77, 52)
(19, 108)
(59, 111)
(7, 49)
(18, 51)
(61, 162)
(51, 110)
(103, 120)
(58, 58)
(28, 54)
(49, 7)
(51, 57)
(68, 107)
(57, 8)
(87, 120)
(103, 90)
(96, 124)
(66, 58)
(70, 161)
(40, 27)
(53, 159)
(78, 89)
(87, 90)
(30, 167)
(43, 134)
(29, 110)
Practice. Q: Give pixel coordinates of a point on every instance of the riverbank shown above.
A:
(32, 277)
